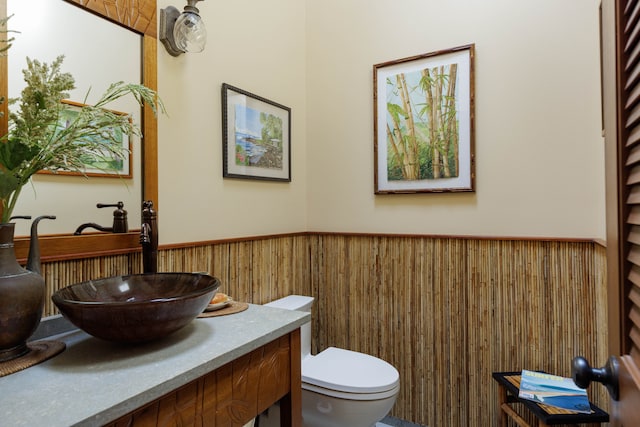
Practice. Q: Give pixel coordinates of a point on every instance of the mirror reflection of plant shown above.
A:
(37, 140)
(5, 44)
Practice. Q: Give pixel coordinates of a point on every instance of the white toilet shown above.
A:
(340, 388)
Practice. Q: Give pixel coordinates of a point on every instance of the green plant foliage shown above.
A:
(5, 44)
(428, 139)
(38, 139)
(271, 128)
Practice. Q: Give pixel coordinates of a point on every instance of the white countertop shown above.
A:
(94, 382)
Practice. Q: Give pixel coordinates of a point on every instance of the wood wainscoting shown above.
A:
(446, 311)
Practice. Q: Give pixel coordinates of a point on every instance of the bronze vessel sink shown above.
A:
(136, 308)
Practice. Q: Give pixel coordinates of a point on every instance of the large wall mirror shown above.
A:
(97, 51)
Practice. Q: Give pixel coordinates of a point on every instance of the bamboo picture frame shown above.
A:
(424, 123)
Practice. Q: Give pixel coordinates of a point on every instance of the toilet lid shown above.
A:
(349, 371)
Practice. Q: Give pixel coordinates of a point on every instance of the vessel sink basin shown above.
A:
(136, 308)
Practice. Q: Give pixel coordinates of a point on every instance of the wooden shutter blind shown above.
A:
(628, 29)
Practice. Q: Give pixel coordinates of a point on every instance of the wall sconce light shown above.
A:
(182, 32)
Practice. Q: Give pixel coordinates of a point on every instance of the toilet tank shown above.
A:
(298, 303)
(293, 302)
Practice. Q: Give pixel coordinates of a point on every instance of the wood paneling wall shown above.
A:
(445, 311)
(449, 312)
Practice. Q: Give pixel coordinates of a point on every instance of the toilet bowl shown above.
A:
(340, 388)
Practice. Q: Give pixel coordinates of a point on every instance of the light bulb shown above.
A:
(189, 32)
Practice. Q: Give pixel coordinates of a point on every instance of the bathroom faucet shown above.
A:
(120, 224)
(149, 238)
(86, 225)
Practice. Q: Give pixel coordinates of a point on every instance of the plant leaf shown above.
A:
(13, 153)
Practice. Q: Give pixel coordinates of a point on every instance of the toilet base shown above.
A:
(319, 410)
(324, 411)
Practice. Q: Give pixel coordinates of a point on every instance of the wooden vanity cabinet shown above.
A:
(233, 394)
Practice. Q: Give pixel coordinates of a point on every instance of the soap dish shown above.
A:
(219, 306)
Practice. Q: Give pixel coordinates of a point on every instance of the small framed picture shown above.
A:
(424, 123)
(101, 164)
(256, 137)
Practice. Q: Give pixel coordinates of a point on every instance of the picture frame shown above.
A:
(112, 167)
(424, 132)
(256, 136)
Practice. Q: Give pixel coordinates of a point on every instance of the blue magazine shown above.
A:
(553, 390)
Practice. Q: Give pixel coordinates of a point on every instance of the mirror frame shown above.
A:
(139, 16)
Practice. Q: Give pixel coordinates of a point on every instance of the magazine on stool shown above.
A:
(553, 390)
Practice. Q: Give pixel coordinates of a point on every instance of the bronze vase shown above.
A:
(21, 299)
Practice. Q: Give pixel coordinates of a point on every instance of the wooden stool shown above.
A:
(508, 388)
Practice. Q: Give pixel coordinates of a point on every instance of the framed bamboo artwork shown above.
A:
(424, 123)
(256, 136)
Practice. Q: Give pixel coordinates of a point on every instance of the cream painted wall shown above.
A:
(538, 145)
(258, 47)
(539, 149)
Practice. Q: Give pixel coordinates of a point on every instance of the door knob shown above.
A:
(583, 374)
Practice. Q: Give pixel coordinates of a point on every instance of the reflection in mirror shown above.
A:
(97, 53)
(138, 16)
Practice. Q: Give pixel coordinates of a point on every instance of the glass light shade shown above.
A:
(189, 32)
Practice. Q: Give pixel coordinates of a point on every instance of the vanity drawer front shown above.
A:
(230, 396)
